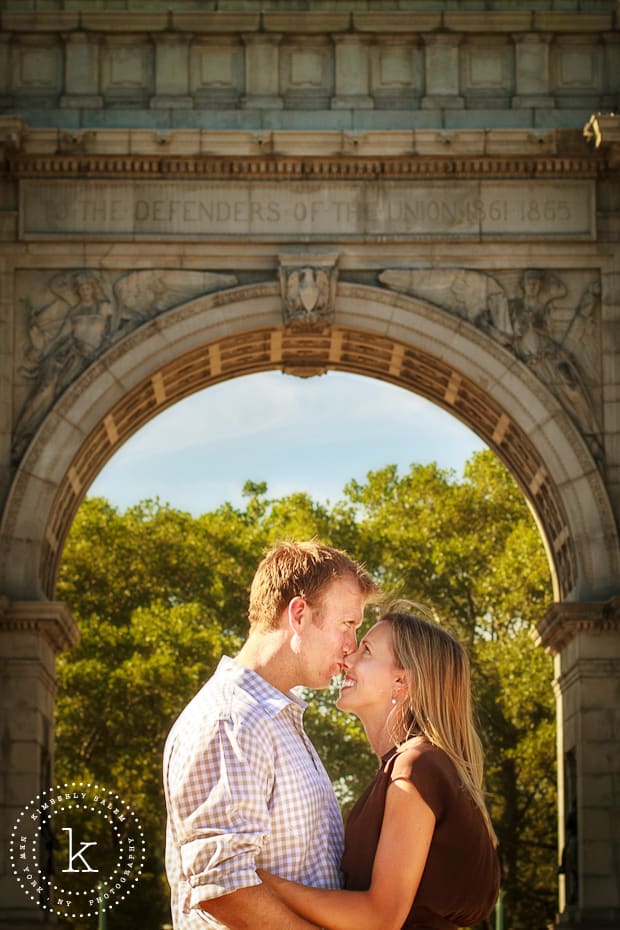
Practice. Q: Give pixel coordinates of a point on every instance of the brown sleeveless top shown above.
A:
(460, 882)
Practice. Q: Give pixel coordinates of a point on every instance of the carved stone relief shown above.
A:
(71, 318)
(308, 286)
(548, 320)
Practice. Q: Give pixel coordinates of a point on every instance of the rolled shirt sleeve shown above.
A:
(244, 789)
(221, 796)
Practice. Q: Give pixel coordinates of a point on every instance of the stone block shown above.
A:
(612, 61)
(395, 119)
(576, 67)
(396, 22)
(306, 74)
(487, 21)
(111, 118)
(217, 73)
(442, 70)
(487, 70)
(79, 102)
(214, 23)
(598, 724)
(483, 118)
(306, 22)
(216, 120)
(396, 74)
(567, 118)
(569, 23)
(308, 119)
(129, 22)
(40, 21)
(5, 66)
(36, 69)
(127, 71)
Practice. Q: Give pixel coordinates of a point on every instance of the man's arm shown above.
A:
(254, 908)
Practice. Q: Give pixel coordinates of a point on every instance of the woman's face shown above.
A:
(372, 674)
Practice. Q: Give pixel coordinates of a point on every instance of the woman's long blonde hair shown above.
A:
(439, 705)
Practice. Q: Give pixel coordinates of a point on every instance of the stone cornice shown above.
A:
(563, 621)
(50, 619)
(303, 22)
(309, 169)
(320, 156)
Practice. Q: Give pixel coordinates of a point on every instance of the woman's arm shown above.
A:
(406, 834)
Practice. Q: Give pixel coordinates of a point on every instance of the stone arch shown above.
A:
(378, 333)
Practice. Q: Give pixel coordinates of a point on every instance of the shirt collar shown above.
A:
(273, 700)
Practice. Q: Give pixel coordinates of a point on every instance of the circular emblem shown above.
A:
(77, 850)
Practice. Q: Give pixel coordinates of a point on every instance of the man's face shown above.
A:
(328, 633)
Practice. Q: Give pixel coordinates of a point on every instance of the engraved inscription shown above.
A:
(466, 209)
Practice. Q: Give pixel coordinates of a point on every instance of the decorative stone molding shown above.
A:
(419, 168)
(50, 619)
(563, 621)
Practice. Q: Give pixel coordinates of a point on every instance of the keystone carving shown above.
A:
(308, 287)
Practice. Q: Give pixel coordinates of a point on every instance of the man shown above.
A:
(244, 786)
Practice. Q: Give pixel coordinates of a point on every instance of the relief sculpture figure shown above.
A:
(83, 318)
(522, 319)
(534, 342)
(65, 335)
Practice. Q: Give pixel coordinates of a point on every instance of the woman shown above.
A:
(420, 851)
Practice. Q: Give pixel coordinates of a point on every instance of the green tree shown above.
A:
(159, 595)
(470, 549)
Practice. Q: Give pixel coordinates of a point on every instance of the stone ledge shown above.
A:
(306, 22)
(51, 619)
(563, 621)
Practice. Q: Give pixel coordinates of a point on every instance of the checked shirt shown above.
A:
(245, 789)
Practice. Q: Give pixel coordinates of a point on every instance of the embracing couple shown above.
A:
(255, 837)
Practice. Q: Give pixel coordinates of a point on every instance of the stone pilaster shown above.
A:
(583, 639)
(442, 71)
(81, 71)
(262, 76)
(532, 70)
(5, 69)
(171, 72)
(351, 73)
(31, 636)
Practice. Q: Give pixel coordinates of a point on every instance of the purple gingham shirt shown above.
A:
(245, 789)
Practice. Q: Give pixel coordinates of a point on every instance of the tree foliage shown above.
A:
(159, 595)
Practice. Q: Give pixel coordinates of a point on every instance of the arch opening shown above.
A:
(377, 334)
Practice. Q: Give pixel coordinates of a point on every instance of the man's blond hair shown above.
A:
(304, 569)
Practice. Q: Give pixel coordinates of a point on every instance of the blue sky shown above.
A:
(296, 434)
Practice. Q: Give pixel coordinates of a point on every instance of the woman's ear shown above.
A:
(401, 682)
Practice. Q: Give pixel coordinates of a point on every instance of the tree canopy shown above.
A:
(160, 595)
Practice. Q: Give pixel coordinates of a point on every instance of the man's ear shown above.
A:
(296, 609)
